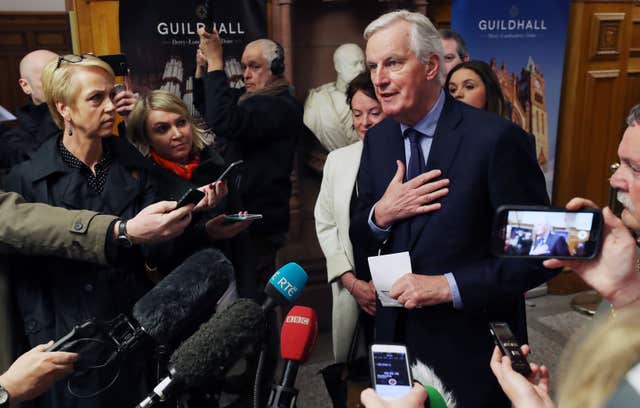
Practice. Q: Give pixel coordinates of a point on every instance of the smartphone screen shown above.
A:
(390, 370)
(238, 218)
(547, 233)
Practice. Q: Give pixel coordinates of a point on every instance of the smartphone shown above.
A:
(390, 373)
(225, 174)
(545, 232)
(191, 196)
(117, 62)
(236, 217)
(506, 341)
(117, 88)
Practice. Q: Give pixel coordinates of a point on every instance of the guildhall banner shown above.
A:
(524, 42)
(159, 40)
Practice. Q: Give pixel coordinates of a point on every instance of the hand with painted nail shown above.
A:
(214, 194)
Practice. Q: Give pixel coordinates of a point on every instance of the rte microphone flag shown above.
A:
(285, 285)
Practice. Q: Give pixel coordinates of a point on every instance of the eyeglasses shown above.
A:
(72, 58)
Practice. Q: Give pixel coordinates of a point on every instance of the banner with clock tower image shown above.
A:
(524, 42)
(159, 39)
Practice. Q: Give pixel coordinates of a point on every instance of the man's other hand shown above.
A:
(407, 199)
(614, 272)
(35, 371)
(414, 291)
(159, 222)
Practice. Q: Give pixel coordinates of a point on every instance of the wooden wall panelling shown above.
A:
(596, 94)
(605, 36)
(633, 70)
(633, 89)
(597, 145)
(98, 26)
(439, 12)
(21, 33)
(597, 45)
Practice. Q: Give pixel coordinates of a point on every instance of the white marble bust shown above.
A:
(325, 111)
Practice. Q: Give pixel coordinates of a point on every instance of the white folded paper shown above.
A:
(385, 270)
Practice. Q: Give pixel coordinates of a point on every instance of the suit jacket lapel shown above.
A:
(446, 141)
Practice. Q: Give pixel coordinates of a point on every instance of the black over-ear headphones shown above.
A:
(277, 65)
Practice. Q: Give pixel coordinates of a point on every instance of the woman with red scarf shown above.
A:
(161, 126)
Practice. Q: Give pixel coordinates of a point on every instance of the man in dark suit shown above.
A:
(547, 242)
(461, 164)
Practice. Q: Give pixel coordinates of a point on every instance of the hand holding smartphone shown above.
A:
(191, 196)
(390, 372)
(545, 232)
(241, 217)
(508, 345)
(227, 172)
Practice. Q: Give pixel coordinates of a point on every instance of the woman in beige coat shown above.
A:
(350, 291)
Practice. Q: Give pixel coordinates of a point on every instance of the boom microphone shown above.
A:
(211, 350)
(297, 339)
(180, 301)
(186, 297)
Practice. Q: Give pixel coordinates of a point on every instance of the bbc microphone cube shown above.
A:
(299, 333)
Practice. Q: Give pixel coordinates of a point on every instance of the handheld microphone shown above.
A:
(439, 397)
(297, 339)
(177, 303)
(211, 350)
(284, 286)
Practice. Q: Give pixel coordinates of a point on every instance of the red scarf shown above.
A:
(183, 170)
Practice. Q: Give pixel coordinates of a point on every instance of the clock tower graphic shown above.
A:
(526, 103)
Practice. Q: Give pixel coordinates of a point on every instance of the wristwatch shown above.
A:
(123, 238)
(4, 398)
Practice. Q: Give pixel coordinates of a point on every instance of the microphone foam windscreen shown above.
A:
(218, 343)
(185, 297)
(299, 333)
(288, 281)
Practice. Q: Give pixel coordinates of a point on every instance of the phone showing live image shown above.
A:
(545, 232)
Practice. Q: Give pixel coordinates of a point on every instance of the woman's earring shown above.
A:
(69, 128)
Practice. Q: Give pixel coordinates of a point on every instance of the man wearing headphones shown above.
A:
(261, 126)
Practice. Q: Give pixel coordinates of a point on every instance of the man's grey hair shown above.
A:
(270, 49)
(424, 42)
(461, 45)
(634, 116)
